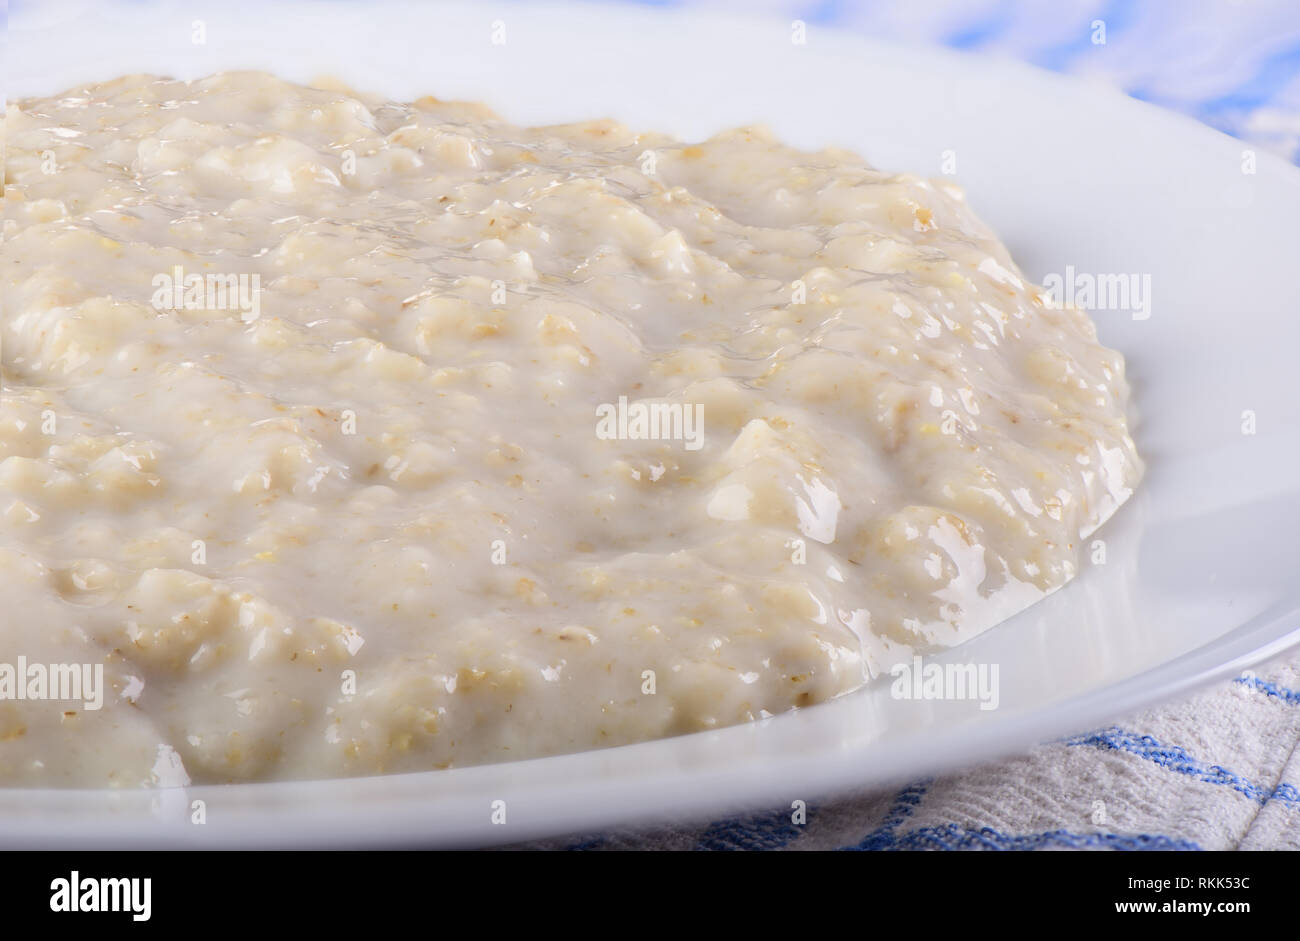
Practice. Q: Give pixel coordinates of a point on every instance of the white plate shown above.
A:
(1201, 572)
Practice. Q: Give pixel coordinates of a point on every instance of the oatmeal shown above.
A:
(354, 437)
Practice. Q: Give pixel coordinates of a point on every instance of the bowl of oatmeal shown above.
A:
(368, 448)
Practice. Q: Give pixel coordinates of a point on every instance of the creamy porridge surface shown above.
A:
(361, 517)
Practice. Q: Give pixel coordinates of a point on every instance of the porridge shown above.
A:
(343, 436)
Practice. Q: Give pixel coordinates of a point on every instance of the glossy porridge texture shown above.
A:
(359, 516)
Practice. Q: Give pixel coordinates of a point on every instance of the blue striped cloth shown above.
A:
(1220, 770)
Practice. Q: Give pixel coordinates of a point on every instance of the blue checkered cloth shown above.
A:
(1219, 770)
